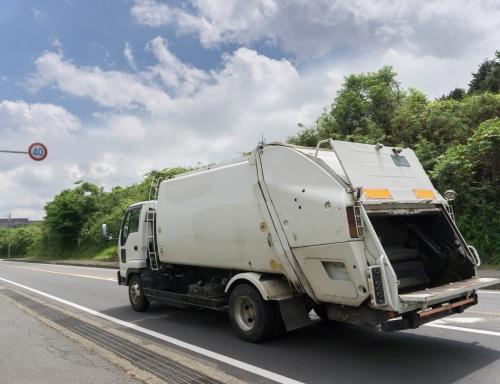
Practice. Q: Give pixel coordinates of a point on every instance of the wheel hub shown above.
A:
(245, 313)
(135, 292)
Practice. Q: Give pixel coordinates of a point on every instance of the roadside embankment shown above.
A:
(76, 263)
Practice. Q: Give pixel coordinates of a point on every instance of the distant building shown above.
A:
(17, 222)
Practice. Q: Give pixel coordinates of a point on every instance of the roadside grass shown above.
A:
(109, 254)
(106, 254)
(490, 266)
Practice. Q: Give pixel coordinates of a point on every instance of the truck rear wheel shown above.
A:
(138, 299)
(252, 318)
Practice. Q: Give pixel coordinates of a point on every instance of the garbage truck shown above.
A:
(355, 232)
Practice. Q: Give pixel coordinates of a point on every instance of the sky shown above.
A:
(116, 88)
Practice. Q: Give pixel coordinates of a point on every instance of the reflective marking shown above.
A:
(423, 194)
(63, 273)
(202, 351)
(374, 193)
(462, 329)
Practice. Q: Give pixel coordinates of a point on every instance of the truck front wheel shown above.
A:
(138, 299)
(252, 318)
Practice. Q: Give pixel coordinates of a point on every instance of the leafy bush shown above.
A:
(473, 171)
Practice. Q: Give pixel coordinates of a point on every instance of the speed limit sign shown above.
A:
(37, 151)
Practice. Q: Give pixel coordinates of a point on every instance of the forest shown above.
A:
(456, 137)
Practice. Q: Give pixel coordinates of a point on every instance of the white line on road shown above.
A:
(463, 329)
(112, 279)
(202, 351)
(486, 291)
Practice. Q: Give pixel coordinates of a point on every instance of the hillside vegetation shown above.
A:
(456, 137)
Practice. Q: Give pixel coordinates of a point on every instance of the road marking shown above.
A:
(462, 320)
(202, 351)
(463, 329)
(484, 313)
(62, 273)
(59, 266)
(486, 291)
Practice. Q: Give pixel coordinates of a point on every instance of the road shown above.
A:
(463, 348)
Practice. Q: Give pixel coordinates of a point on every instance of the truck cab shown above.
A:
(134, 239)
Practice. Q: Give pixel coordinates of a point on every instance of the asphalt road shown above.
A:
(463, 348)
(53, 358)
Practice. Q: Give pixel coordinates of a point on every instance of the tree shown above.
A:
(111, 206)
(473, 170)
(406, 122)
(487, 77)
(68, 212)
(456, 94)
(362, 110)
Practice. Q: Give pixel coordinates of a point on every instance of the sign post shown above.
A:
(36, 151)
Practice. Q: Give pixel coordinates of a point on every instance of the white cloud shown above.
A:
(205, 116)
(173, 113)
(36, 119)
(305, 28)
(129, 55)
(151, 13)
(37, 14)
(176, 75)
(27, 184)
(108, 88)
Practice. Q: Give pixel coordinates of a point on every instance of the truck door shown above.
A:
(130, 239)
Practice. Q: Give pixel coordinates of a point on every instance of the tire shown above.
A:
(138, 300)
(252, 318)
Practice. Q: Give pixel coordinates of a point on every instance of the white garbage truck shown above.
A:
(355, 232)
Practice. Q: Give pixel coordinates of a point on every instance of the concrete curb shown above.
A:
(74, 263)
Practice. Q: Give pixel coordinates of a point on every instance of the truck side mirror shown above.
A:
(104, 232)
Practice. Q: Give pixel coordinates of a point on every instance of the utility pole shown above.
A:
(8, 235)
(37, 152)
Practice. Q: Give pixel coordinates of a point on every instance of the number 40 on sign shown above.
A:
(37, 151)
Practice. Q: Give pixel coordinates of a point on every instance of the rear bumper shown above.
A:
(414, 319)
(430, 304)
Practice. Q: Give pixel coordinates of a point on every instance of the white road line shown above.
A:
(112, 279)
(58, 266)
(486, 291)
(202, 351)
(463, 329)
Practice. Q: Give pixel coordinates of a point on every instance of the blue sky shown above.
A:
(117, 88)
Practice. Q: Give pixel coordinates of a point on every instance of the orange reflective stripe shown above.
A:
(377, 193)
(424, 194)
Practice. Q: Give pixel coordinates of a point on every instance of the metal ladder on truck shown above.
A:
(154, 261)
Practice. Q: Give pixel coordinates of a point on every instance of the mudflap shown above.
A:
(121, 280)
(294, 313)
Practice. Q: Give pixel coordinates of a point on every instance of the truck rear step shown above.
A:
(448, 291)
